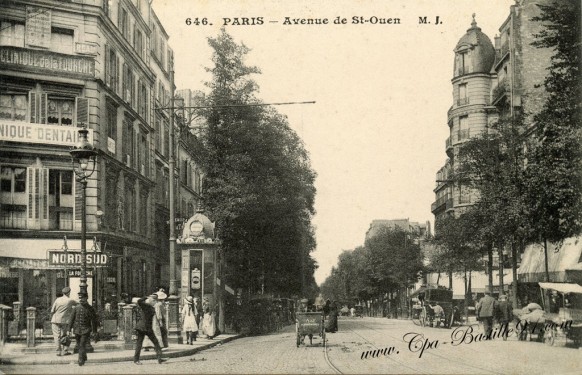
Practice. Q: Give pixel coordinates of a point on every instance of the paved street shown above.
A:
(277, 353)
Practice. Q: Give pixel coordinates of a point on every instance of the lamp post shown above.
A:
(83, 157)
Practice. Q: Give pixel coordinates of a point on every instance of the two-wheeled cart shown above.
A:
(309, 324)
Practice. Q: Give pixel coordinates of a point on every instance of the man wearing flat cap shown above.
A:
(61, 314)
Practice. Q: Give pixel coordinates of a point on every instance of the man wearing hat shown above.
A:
(486, 310)
(61, 314)
(83, 323)
(143, 327)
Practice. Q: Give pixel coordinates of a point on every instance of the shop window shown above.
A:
(62, 40)
(13, 107)
(11, 33)
(60, 112)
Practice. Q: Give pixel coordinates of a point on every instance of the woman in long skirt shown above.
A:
(189, 320)
(208, 326)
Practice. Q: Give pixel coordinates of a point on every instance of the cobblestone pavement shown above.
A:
(277, 354)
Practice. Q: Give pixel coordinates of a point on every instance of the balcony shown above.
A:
(440, 203)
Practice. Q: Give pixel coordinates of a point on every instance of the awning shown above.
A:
(422, 289)
(562, 287)
(532, 268)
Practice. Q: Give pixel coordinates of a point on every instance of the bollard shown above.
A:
(4, 323)
(120, 322)
(16, 323)
(173, 320)
(128, 323)
(30, 326)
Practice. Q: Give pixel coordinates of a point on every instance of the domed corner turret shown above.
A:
(474, 52)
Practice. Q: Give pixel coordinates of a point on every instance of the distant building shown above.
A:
(420, 231)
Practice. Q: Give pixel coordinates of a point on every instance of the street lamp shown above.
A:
(83, 155)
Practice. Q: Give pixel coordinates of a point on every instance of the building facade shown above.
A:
(105, 65)
(490, 81)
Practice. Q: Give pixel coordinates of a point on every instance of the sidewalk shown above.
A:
(105, 351)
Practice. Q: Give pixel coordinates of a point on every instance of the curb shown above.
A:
(123, 358)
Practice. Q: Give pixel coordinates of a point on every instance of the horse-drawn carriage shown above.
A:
(425, 311)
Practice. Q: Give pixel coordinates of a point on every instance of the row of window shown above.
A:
(36, 198)
(132, 89)
(12, 33)
(42, 108)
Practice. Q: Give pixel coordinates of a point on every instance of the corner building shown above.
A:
(104, 64)
(490, 81)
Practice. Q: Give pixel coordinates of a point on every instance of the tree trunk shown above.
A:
(490, 265)
(514, 273)
(500, 254)
(466, 297)
(450, 280)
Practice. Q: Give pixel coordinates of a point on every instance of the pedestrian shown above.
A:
(156, 324)
(143, 327)
(83, 323)
(160, 308)
(61, 315)
(486, 310)
(208, 325)
(188, 317)
(200, 312)
(439, 313)
(505, 314)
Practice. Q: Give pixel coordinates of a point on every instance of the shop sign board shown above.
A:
(39, 61)
(15, 131)
(73, 259)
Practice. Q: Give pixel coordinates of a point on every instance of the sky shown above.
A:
(376, 134)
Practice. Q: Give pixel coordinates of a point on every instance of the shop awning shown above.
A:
(417, 292)
(562, 287)
(532, 268)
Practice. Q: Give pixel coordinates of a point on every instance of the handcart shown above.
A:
(563, 318)
(309, 324)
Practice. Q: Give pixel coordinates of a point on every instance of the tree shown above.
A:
(259, 181)
(554, 168)
(393, 260)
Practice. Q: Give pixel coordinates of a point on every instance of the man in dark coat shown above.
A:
(486, 310)
(143, 327)
(504, 313)
(83, 323)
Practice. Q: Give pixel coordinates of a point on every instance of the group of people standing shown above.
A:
(489, 309)
(196, 316)
(151, 329)
(81, 321)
